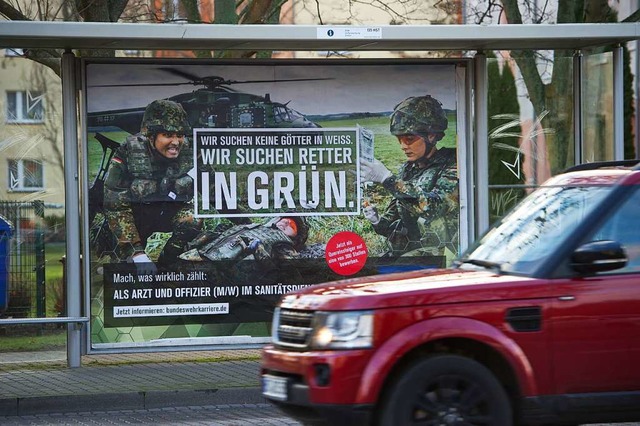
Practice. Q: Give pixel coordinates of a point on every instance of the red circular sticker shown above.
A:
(346, 253)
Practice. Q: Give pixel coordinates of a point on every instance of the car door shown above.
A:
(596, 319)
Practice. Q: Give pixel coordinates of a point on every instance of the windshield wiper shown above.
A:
(479, 262)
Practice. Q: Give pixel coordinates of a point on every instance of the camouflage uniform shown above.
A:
(146, 192)
(264, 241)
(422, 218)
(424, 211)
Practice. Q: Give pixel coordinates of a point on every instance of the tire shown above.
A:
(446, 390)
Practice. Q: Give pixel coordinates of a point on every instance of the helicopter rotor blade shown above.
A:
(283, 80)
(209, 81)
(217, 80)
(181, 73)
(142, 84)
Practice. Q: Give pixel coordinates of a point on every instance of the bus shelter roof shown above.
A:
(117, 36)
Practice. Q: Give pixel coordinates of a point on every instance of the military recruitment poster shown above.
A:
(217, 187)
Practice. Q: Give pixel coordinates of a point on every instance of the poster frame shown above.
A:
(463, 77)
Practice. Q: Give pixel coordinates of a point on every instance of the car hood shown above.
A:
(413, 288)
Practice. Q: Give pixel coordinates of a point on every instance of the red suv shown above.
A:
(538, 323)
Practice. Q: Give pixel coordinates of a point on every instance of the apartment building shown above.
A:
(31, 145)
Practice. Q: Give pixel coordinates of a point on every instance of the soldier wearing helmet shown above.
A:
(279, 238)
(422, 217)
(147, 188)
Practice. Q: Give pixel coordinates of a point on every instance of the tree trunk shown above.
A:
(556, 96)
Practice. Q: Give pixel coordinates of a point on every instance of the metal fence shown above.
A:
(26, 283)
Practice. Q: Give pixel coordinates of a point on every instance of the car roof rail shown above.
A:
(635, 164)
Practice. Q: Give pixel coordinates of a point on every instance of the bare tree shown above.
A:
(548, 78)
(42, 80)
(554, 95)
(63, 10)
(228, 12)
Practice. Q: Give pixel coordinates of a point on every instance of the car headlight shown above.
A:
(343, 330)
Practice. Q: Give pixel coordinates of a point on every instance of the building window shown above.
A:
(26, 175)
(25, 107)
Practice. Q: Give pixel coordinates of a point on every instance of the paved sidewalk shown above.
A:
(41, 382)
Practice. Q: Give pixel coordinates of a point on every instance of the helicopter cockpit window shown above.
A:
(295, 115)
(281, 114)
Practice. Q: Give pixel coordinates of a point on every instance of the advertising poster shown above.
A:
(217, 187)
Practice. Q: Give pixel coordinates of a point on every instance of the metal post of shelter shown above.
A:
(618, 103)
(481, 153)
(578, 64)
(72, 205)
(466, 187)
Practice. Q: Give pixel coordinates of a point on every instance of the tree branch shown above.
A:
(116, 8)
(512, 11)
(11, 13)
(48, 58)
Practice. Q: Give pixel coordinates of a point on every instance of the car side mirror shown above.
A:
(598, 256)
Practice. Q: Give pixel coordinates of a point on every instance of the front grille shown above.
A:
(294, 328)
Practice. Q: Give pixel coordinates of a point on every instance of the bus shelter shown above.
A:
(471, 107)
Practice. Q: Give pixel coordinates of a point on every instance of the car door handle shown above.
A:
(566, 298)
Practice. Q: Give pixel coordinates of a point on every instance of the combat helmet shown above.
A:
(303, 232)
(419, 115)
(302, 227)
(164, 116)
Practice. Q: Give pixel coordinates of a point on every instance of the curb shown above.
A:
(147, 400)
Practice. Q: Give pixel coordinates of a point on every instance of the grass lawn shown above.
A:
(386, 147)
(47, 339)
(32, 338)
(53, 252)
(95, 151)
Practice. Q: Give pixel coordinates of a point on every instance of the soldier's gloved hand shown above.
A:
(433, 197)
(373, 171)
(371, 214)
(144, 265)
(253, 245)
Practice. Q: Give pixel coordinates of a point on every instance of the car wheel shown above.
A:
(447, 390)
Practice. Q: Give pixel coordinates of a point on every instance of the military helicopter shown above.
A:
(215, 104)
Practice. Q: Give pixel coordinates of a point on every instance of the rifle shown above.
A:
(96, 191)
(100, 235)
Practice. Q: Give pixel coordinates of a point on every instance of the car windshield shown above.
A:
(534, 229)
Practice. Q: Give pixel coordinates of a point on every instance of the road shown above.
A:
(214, 415)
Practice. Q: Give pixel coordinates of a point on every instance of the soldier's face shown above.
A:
(415, 147)
(285, 226)
(168, 144)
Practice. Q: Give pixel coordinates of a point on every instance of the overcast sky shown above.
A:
(351, 88)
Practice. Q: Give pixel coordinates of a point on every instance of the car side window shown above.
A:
(623, 227)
